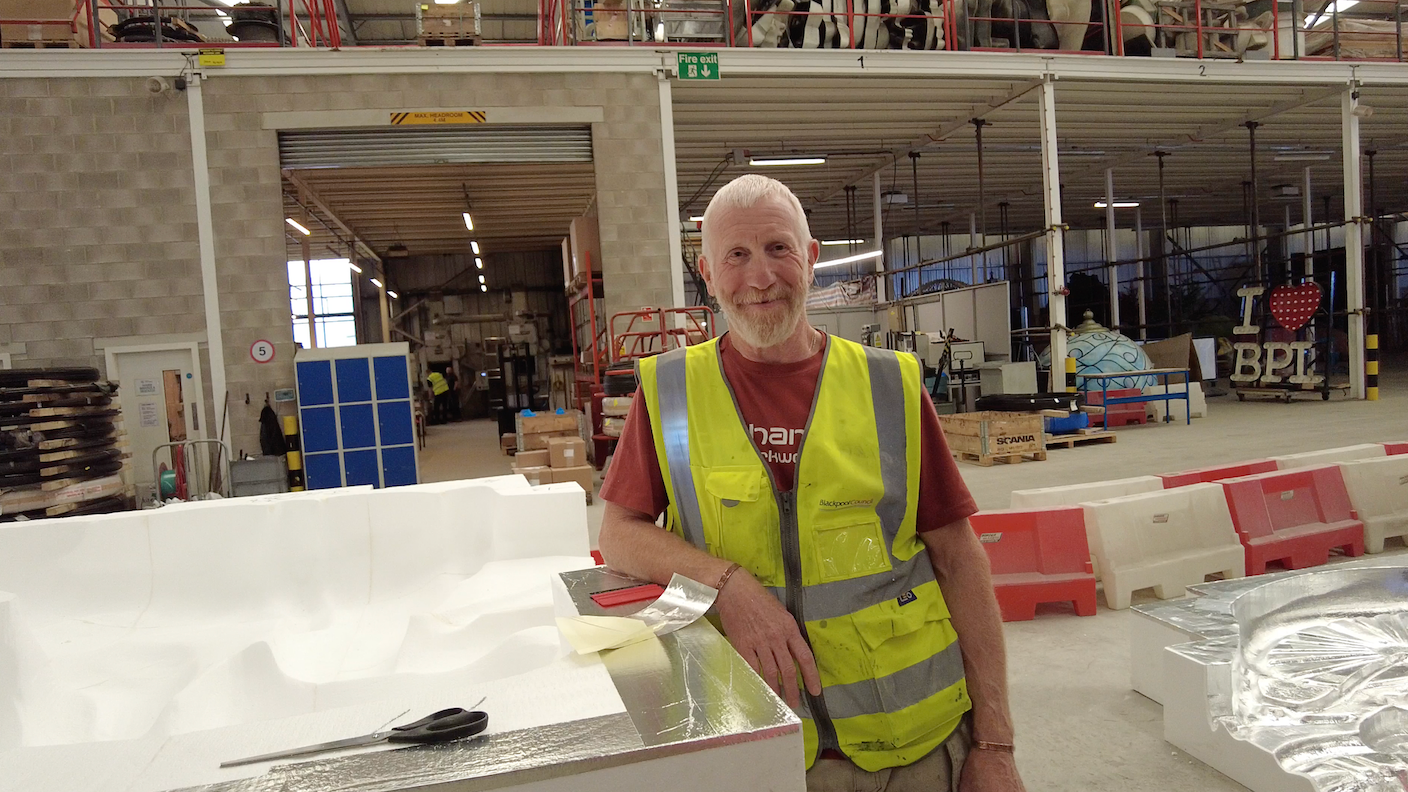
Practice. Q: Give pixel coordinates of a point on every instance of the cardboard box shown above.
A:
(37, 10)
(508, 442)
(539, 440)
(531, 459)
(549, 422)
(535, 475)
(584, 475)
(566, 452)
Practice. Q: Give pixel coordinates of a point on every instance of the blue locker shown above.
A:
(361, 467)
(397, 426)
(356, 416)
(393, 379)
(319, 426)
(323, 471)
(358, 428)
(398, 465)
(354, 380)
(314, 382)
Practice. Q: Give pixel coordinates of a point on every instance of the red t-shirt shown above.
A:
(776, 400)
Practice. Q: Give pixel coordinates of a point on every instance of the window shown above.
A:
(332, 303)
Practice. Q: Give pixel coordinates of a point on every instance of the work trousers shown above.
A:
(937, 771)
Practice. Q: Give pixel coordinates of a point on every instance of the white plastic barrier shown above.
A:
(1329, 456)
(1156, 409)
(1378, 490)
(1076, 494)
(1168, 540)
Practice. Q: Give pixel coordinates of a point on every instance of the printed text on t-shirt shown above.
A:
(777, 445)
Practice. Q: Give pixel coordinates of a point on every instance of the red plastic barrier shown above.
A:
(1216, 473)
(1037, 556)
(1293, 516)
(596, 556)
(1116, 414)
(1393, 449)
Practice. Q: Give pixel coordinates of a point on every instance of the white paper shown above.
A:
(148, 415)
(147, 387)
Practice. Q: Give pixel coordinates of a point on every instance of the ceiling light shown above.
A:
(468, 221)
(299, 226)
(843, 242)
(355, 268)
(397, 250)
(474, 246)
(393, 295)
(1303, 156)
(446, 2)
(483, 288)
(378, 283)
(1118, 204)
(697, 219)
(851, 259)
(1081, 153)
(659, 30)
(787, 161)
(481, 278)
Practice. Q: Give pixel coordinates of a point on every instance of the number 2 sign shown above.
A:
(261, 351)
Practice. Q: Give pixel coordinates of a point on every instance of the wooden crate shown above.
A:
(442, 24)
(988, 437)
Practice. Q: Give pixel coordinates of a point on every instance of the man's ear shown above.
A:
(813, 256)
(706, 272)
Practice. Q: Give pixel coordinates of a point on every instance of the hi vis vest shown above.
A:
(438, 383)
(840, 551)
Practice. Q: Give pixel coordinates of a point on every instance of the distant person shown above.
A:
(454, 395)
(440, 390)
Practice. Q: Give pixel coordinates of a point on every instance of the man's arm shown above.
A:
(964, 576)
(760, 629)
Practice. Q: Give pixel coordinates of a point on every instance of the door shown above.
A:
(160, 391)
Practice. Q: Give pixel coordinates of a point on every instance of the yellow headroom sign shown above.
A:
(439, 117)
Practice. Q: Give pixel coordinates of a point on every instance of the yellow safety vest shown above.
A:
(840, 551)
(438, 384)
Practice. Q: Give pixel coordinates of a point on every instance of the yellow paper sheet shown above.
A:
(589, 634)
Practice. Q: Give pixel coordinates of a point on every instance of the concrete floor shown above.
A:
(1080, 726)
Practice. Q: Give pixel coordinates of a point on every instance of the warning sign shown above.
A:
(439, 117)
(210, 57)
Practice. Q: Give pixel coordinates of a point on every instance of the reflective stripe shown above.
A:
(844, 597)
(887, 394)
(904, 688)
(674, 428)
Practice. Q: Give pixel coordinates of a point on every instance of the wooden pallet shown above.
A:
(42, 44)
(1086, 437)
(1006, 459)
(449, 41)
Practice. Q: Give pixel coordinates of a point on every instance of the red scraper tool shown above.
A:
(612, 598)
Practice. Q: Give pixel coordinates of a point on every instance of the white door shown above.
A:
(160, 392)
(4, 360)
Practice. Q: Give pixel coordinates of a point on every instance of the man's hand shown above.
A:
(766, 635)
(989, 771)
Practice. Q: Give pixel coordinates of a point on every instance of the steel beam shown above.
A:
(1353, 238)
(1112, 272)
(1055, 247)
(672, 190)
(205, 232)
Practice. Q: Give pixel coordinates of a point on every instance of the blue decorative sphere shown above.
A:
(1099, 350)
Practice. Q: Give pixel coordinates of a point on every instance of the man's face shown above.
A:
(759, 268)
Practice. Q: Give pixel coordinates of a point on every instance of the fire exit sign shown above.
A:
(699, 65)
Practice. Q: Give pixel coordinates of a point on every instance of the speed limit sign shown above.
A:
(261, 351)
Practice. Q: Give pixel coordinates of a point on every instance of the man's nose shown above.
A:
(761, 274)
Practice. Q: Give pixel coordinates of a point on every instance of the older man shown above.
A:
(806, 477)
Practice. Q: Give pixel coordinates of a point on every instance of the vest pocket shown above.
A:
(855, 549)
(741, 524)
(904, 645)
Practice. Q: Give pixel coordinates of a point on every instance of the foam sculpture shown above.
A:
(1293, 516)
(1329, 456)
(1216, 472)
(1037, 556)
(1165, 540)
(1177, 408)
(248, 624)
(1378, 490)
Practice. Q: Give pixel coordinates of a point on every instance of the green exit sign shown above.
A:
(699, 65)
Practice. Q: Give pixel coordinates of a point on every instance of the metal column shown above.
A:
(1353, 238)
(881, 287)
(672, 190)
(1055, 246)
(385, 307)
(304, 244)
(1139, 271)
(205, 230)
(1112, 272)
(1306, 222)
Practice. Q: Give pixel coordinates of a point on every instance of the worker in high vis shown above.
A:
(806, 477)
(440, 394)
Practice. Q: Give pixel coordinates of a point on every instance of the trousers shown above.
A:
(939, 770)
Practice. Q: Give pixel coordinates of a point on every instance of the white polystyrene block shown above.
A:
(1156, 409)
(1166, 540)
(107, 552)
(549, 519)
(418, 536)
(1378, 490)
(1329, 456)
(1075, 494)
(1148, 638)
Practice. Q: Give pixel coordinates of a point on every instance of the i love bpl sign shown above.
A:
(1266, 363)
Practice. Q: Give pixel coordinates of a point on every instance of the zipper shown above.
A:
(792, 573)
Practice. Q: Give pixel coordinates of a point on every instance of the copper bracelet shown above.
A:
(728, 573)
(1001, 747)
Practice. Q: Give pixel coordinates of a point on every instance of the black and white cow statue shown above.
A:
(912, 24)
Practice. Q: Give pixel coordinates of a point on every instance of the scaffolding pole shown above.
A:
(1353, 238)
(1112, 271)
(1055, 249)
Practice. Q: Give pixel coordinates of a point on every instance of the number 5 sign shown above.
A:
(261, 351)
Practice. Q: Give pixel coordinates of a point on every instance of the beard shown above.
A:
(769, 326)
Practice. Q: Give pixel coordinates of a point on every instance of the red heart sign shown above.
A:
(1292, 306)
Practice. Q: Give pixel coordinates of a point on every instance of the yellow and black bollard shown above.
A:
(295, 454)
(1071, 375)
(1371, 367)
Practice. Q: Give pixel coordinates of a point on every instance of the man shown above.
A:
(807, 479)
(452, 396)
(440, 391)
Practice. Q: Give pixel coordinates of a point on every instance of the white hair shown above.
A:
(748, 191)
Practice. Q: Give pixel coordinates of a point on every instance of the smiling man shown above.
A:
(806, 477)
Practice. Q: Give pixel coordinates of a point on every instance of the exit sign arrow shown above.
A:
(698, 65)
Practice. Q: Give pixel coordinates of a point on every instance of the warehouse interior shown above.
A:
(519, 225)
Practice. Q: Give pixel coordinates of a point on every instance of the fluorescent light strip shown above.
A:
(355, 268)
(697, 219)
(473, 245)
(481, 278)
(1118, 204)
(479, 263)
(851, 259)
(468, 221)
(378, 283)
(843, 242)
(393, 295)
(788, 161)
(299, 226)
(483, 288)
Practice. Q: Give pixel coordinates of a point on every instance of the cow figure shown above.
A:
(1007, 23)
(822, 24)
